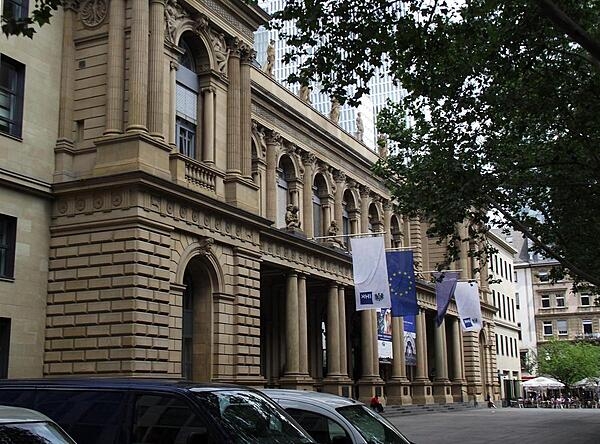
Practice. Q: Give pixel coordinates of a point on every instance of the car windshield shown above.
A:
(251, 418)
(32, 433)
(373, 427)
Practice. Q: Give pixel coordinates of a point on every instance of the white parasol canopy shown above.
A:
(542, 382)
(589, 383)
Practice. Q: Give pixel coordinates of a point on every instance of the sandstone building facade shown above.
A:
(160, 245)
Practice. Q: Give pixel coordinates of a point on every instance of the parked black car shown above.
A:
(142, 411)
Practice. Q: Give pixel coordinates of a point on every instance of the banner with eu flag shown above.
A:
(401, 276)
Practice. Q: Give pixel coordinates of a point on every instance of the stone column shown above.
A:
(65, 124)
(387, 220)
(364, 208)
(302, 328)
(156, 68)
(441, 383)
(367, 344)
(208, 125)
(247, 58)
(458, 381)
(333, 333)
(173, 66)
(340, 180)
(234, 152)
(138, 66)
(415, 238)
(273, 145)
(422, 393)
(291, 327)
(343, 344)
(115, 79)
(398, 388)
(375, 340)
(308, 160)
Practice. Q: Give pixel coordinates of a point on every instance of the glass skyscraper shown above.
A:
(381, 86)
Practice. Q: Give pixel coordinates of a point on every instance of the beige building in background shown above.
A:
(179, 198)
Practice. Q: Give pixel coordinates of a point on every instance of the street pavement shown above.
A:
(504, 425)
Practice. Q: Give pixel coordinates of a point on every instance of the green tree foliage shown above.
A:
(504, 106)
(569, 362)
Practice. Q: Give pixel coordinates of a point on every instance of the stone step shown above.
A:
(416, 409)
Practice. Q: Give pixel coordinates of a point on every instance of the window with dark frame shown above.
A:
(585, 300)
(15, 9)
(545, 301)
(4, 346)
(12, 86)
(8, 235)
(547, 328)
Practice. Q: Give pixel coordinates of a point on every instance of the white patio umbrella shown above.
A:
(542, 382)
(588, 383)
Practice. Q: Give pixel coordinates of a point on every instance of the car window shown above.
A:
(32, 433)
(166, 419)
(249, 417)
(90, 417)
(324, 430)
(374, 428)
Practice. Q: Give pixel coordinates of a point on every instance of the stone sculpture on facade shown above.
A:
(382, 146)
(333, 231)
(173, 15)
(334, 113)
(304, 94)
(221, 51)
(360, 128)
(292, 220)
(270, 63)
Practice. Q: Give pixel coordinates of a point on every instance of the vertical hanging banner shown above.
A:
(384, 334)
(403, 291)
(468, 305)
(445, 284)
(410, 340)
(369, 267)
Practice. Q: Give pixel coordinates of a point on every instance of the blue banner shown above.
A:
(401, 275)
(445, 284)
(410, 340)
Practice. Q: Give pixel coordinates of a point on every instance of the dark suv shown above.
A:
(142, 411)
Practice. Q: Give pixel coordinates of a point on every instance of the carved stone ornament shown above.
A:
(93, 12)
(174, 15)
(205, 245)
(221, 51)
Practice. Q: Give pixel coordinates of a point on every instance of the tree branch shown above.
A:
(517, 224)
(563, 22)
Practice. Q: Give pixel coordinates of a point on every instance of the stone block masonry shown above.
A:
(108, 303)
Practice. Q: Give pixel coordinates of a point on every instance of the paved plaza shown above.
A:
(504, 425)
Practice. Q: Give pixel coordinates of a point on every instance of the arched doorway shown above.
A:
(197, 321)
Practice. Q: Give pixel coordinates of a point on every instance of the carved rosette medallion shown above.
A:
(93, 12)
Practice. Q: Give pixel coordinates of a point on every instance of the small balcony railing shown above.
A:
(195, 174)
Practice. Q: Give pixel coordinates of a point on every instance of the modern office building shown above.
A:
(162, 208)
(508, 327)
(382, 87)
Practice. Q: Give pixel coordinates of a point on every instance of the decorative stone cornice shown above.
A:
(273, 138)
(364, 191)
(308, 159)
(339, 176)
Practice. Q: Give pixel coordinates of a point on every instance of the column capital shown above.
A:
(309, 159)
(273, 138)
(364, 191)
(339, 176)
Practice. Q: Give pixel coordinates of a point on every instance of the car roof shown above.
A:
(18, 414)
(333, 401)
(107, 383)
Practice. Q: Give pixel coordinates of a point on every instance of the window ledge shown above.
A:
(6, 279)
(10, 136)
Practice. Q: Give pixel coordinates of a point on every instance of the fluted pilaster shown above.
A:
(138, 66)
(343, 328)
(208, 125)
(307, 208)
(302, 324)
(156, 68)
(245, 111)
(291, 319)
(333, 332)
(116, 68)
(234, 154)
(65, 122)
(273, 146)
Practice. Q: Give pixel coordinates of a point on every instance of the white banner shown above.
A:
(468, 305)
(371, 287)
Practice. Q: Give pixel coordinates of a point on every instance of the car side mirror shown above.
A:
(200, 436)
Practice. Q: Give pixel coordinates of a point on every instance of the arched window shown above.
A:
(186, 103)
(282, 197)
